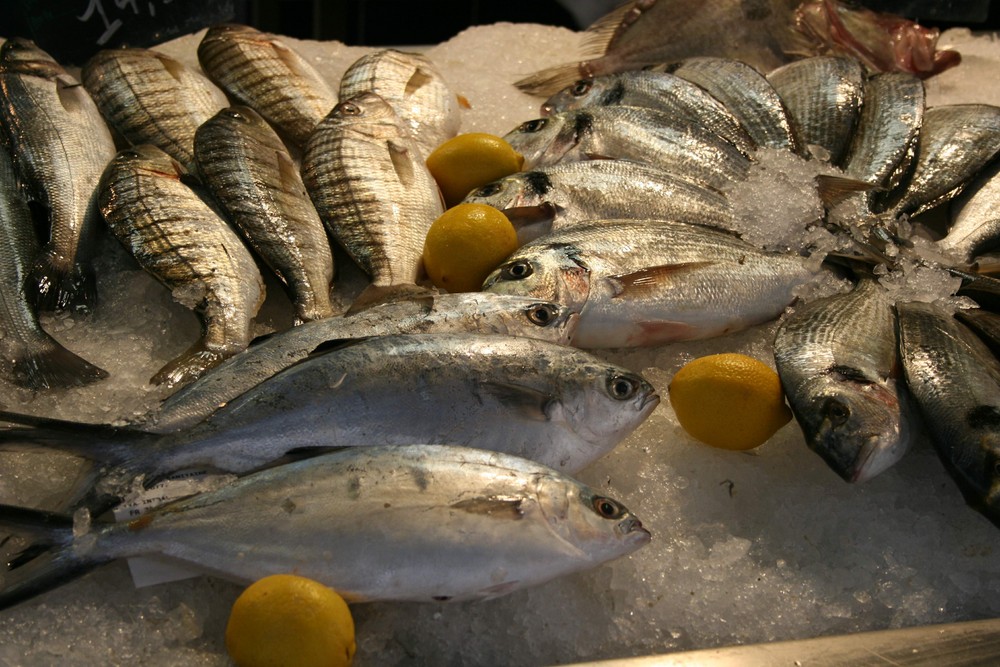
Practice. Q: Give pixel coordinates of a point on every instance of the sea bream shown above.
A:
(649, 282)
(247, 168)
(472, 312)
(975, 217)
(839, 368)
(424, 523)
(185, 244)
(60, 145)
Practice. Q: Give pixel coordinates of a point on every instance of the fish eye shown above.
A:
(543, 314)
(129, 155)
(607, 508)
(488, 190)
(236, 115)
(622, 387)
(517, 270)
(348, 109)
(533, 125)
(836, 411)
(581, 87)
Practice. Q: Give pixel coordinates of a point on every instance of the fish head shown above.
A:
(856, 425)
(23, 56)
(149, 158)
(588, 522)
(543, 141)
(604, 403)
(239, 116)
(364, 110)
(545, 320)
(525, 198)
(596, 91)
(551, 272)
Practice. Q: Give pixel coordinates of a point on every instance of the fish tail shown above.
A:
(56, 285)
(551, 80)
(48, 562)
(54, 366)
(189, 366)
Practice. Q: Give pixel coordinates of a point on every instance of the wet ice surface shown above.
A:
(747, 547)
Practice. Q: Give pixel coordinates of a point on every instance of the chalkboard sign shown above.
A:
(73, 30)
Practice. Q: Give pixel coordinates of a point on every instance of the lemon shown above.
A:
(468, 161)
(465, 244)
(729, 400)
(289, 620)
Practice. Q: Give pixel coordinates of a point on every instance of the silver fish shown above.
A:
(184, 243)
(648, 282)
(747, 94)
(956, 142)
(630, 133)
(251, 174)
(261, 71)
(657, 90)
(562, 195)
(151, 98)
(422, 523)
(60, 145)
(838, 365)
(30, 357)
(823, 96)
(975, 218)
(372, 189)
(955, 380)
(474, 312)
(413, 87)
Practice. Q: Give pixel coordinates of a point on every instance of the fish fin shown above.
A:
(598, 156)
(374, 295)
(600, 36)
(656, 332)
(53, 287)
(53, 561)
(70, 93)
(551, 80)
(292, 59)
(173, 67)
(463, 102)
(103, 443)
(832, 190)
(54, 366)
(528, 401)
(417, 80)
(640, 283)
(402, 162)
(189, 366)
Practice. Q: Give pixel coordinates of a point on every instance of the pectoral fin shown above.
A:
(528, 402)
(645, 282)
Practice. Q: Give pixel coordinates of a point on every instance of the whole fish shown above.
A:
(955, 380)
(182, 241)
(422, 523)
(151, 98)
(631, 133)
(373, 191)
(413, 87)
(261, 71)
(562, 195)
(648, 282)
(975, 217)
(251, 174)
(657, 90)
(746, 93)
(762, 33)
(838, 365)
(60, 145)
(29, 357)
(956, 141)
(474, 312)
(823, 96)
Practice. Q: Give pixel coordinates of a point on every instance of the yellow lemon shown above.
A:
(729, 400)
(465, 244)
(287, 620)
(468, 161)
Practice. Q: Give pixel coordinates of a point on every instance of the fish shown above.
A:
(247, 168)
(414, 87)
(179, 239)
(428, 523)
(747, 94)
(369, 183)
(823, 96)
(630, 133)
(472, 312)
(31, 358)
(975, 217)
(549, 403)
(558, 196)
(662, 91)
(764, 33)
(151, 98)
(955, 380)
(60, 145)
(650, 282)
(956, 141)
(261, 71)
(839, 368)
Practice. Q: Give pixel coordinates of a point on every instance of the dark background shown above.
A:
(72, 30)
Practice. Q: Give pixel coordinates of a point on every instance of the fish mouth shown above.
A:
(650, 401)
(633, 531)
